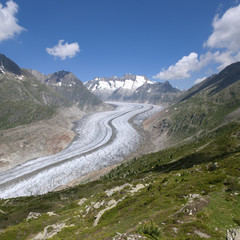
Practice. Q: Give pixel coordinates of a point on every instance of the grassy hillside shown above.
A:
(20, 112)
(183, 192)
(202, 108)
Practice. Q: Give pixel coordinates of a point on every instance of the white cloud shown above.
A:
(225, 39)
(226, 30)
(181, 69)
(199, 80)
(192, 63)
(224, 58)
(63, 51)
(8, 22)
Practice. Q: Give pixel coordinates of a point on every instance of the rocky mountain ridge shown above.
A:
(132, 88)
(105, 87)
(40, 76)
(157, 93)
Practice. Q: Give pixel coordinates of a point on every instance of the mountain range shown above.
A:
(188, 190)
(132, 88)
(25, 99)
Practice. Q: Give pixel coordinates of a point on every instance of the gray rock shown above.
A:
(33, 215)
(201, 234)
(233, 234)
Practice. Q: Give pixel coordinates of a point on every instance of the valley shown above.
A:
(75, 165)
(121, 121)
(103, 139)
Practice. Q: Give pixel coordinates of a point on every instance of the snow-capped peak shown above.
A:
(125, 85)
(127, 82)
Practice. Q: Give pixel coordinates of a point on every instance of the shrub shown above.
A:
(150, 229)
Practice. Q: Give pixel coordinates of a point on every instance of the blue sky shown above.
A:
(172, 40)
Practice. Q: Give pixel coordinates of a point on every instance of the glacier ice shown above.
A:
(103, 139)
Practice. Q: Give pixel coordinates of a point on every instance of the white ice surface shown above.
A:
(104, 139)
(104, 85)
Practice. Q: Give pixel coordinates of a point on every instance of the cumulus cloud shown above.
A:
(8, 22)
(199, 80)
(63, 51)
(224, 58)
(192, 63)
(226, 30)
(223, 44)
(181, 69)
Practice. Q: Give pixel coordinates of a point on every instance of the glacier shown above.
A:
(103, 139)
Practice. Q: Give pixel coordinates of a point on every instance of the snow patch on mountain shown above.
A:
(132, 88)
(104, 87)
(2, 69)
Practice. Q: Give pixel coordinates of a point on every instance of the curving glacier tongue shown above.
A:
(103, 139)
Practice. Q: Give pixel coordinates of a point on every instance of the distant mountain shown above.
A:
(156, 93)
(105, 87)
(205, 106)
(67, 85)
(133, 88)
